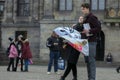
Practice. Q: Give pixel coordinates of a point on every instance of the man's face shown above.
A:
(84, 10)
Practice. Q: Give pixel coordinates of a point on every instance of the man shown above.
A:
(95, 28)
(53, 43)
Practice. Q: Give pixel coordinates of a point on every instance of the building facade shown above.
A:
(35, 19)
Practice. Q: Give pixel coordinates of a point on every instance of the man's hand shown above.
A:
(85, 31)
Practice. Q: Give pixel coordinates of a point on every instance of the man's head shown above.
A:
(85, 8)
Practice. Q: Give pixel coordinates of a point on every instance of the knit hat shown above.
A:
(10, 39)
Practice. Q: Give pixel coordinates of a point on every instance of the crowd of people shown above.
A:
(19, 50)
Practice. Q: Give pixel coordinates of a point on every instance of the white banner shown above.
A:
(74, 39)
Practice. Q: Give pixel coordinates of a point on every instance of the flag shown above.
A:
(73, 38)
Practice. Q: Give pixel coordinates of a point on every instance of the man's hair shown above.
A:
(86, 5)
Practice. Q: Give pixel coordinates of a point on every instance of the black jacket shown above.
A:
(50, 43)
(73, 54)
(79, 27)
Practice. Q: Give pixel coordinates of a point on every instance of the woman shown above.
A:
(72, 60)
(26, 53)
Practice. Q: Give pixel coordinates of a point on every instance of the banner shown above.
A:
(73, 37)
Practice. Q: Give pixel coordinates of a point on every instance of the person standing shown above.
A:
(79, 27)
(26, 53)
(73, 54)
(12, 54)
(19, 46)
(53, 43)
(95, 28)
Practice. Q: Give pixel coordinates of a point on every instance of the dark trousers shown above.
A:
(11, 62)
(53, 58)
(70, 66)
(17, 61)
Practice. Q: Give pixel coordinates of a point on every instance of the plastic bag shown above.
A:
(61, 63)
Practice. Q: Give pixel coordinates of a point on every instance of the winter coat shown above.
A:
(26, 52)
(13, 51)
(94, 25)
(50, 43)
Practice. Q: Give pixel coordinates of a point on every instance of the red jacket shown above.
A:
(26, 52)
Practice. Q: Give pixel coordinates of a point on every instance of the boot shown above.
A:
(14, 69)
(62, 78)
(117, 70)
(8, 69)
(21, 69)
(74, 78)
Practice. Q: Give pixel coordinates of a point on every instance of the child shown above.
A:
(12, 54)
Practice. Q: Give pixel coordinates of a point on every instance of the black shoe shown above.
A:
(8, 69)
(21, 69)
(117, 70)
(14, 69)
(62, 78)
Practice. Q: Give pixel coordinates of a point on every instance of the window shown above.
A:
(23, 8)
(1, 8)
(23, 33)
(113, 4)
(65, 5)
(97, 4)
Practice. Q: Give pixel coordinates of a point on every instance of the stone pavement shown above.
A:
(39, 73)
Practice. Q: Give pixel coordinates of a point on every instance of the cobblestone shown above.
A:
(40, 73)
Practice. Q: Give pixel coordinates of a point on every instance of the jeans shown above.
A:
(53, 58)
(26, 64)
(90, 60)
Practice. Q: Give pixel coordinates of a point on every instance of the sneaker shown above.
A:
(57, 72)
(48, 73)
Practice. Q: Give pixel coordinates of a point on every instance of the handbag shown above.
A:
(61, 63)
(30, 61)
